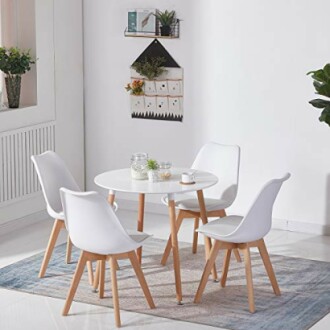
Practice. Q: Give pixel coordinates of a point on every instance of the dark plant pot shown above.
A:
(13, 87)
(165, 30)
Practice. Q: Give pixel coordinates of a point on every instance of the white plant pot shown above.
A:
(153, 176)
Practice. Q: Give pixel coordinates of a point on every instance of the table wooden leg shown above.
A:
(111, 200)
(111, 197)
(208, 244)
(175, 250)
(140, 223)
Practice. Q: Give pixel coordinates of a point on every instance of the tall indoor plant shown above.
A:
(14, 62)
(321, 84)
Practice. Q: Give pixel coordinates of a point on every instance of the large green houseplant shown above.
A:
(14, 62)
(321, 84)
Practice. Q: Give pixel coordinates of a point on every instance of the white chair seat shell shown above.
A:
(192, 204)
(255, 225)
(55, 215)
(222, 227)
(94, 226)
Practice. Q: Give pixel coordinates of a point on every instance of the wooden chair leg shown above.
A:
(268, 265)
(90, 273)
(249, 281)
(76, 279)
(168, 248)
(237, 255)
(139, 274)
(102, 278)
(195, 237)
(225, 268)
(222, 213)
(97, 276)
(207, 271)
(68, 250)
(115, 291)
(58, 225)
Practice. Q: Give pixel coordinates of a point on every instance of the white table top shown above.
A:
(120, 180)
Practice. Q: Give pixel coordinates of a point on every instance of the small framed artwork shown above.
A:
(141, 21)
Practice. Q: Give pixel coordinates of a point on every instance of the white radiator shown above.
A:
(18, 178)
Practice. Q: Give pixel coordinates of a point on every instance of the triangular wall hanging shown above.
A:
(155, 94)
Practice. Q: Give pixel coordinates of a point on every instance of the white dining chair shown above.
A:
(223, 161)
(53, 174)
(232, 232)
(95, 229)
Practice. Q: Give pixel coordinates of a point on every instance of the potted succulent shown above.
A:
(14, 63)
(152, 168)
(166, 19)
(321, 84)
(150, 68)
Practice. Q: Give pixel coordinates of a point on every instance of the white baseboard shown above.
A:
(289, 225)
(19, 223)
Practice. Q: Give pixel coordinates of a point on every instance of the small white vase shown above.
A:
(153, 175)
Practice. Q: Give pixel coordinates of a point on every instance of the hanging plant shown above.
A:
(321, 84)
(150, 68)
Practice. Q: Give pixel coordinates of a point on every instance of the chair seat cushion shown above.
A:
(137, 236)
(220, 228)
(192, 204)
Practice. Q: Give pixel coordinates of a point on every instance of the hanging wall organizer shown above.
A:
(160, 98)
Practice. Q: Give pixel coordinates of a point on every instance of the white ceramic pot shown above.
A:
(153, 175)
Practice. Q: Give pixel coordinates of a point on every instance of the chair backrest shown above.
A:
(53, 174)
(222, 161)
(92, 223)
(258, 221)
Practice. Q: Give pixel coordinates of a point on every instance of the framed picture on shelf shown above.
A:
(141, 21)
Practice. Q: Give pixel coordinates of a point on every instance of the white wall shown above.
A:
(245, 65)
(59, 39)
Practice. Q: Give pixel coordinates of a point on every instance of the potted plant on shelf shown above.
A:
(14, 62)
(166, 19)
(321, 83)
(152, 168)
(150, 68)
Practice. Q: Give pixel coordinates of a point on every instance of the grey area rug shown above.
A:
(305, 286)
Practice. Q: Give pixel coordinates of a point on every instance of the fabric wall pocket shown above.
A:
(174, 87)
(137, 103)
(150, 87)
(175, 105)
(150, 103)
(162, 104)
(161, 87)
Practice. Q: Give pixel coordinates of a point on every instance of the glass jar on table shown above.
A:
(165, 170)
(138, 166)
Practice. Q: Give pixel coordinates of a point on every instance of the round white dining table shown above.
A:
(121, 181)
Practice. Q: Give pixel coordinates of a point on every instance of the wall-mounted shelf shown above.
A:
(175, 34)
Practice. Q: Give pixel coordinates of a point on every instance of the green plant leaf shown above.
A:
(14, 61)
(319, 103)
(322, 88)
(325, 115)
(326, 70)
(320, 76)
